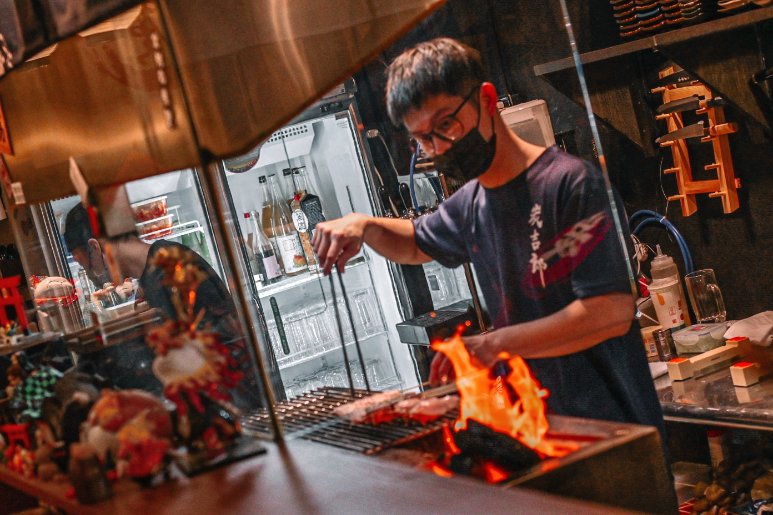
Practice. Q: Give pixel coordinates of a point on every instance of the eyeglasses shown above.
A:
(449, 129)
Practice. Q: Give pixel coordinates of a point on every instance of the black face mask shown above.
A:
(468, 157)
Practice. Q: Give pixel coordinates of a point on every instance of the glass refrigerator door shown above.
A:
(166, 207)
(300, 310)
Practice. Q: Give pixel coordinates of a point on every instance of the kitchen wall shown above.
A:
(515, 35)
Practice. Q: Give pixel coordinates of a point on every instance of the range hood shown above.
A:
(171, 83)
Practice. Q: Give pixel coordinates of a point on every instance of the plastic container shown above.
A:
(669, 307)
(156, 228)
(699, 338)
(150, 209)
(667, 293)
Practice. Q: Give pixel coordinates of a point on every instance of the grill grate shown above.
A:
(311, 417)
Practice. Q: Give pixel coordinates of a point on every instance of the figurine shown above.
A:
(132, 428)
(192, 363)
(87, 475)
(10, 334)
(45, 448)
(16, 373)
(29, 394)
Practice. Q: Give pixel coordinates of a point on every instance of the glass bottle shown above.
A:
(278, 225)
(264, 255)
(301, 224)
(287, 189)
(311, 205)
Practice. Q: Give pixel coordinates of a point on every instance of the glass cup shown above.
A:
(366, 313)
(705, 296)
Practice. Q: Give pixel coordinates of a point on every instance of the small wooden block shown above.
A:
(745, 373)
(680, 369)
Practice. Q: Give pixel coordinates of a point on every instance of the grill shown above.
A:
(617, 464)
(310, 416)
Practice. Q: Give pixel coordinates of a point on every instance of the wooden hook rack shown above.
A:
(725, 186)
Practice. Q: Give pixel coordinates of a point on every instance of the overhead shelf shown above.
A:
(663, 39)
(724, 60)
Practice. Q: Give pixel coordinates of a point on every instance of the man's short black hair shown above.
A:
(77, 229)
(439, 66)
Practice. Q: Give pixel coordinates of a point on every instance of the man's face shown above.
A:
(90, 258)
(444, 119)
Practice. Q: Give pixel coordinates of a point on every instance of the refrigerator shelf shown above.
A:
(286, 362)
(290, 283)
(176, 231)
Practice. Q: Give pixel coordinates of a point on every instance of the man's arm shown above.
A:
(575, 328)
(336, 241)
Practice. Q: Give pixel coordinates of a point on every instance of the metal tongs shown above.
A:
(339, 326)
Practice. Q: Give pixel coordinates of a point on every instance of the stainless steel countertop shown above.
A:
(713, 399)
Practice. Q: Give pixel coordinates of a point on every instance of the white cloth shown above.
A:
(758, 328)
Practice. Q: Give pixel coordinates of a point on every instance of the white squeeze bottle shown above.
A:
(666, 292)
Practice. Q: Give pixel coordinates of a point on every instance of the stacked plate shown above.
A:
(638, 17)
(643, 17)
(726, 6)
(694, 11)
(672, 12)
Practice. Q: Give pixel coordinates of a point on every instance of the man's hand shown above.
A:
(336, 241)
(483, 348)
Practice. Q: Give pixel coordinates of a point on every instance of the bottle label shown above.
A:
(300, 221)
(312, 207)
(291, 252)
(302, 225)
(272, 267)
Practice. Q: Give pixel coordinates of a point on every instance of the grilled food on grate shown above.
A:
(386, 407)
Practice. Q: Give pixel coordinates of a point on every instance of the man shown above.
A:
(85, 249)
(537, 226)
(134, 259)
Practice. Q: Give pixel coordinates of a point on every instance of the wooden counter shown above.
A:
(303, 477)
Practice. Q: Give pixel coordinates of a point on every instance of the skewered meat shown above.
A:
(386, 407)
(359, 410)
(425, 411)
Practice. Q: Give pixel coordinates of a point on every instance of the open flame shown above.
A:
(506, 399)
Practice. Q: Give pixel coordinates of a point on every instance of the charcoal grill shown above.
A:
(310, 416)
(616, 464)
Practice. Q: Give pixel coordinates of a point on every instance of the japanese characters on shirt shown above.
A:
(557, 259)
(536, 262)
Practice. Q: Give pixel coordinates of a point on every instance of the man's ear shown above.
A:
(94, 246)
(489, 98)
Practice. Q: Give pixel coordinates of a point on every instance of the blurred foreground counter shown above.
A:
(713, 400)
(303, 477)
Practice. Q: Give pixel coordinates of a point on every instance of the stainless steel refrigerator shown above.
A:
(300, 310)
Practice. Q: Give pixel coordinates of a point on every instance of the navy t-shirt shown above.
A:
(538, 243)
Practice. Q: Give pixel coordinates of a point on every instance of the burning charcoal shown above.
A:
(482, 442)
(462, 464)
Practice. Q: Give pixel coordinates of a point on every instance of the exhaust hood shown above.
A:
(162, 85)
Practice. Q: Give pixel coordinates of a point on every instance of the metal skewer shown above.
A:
(354, 332)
